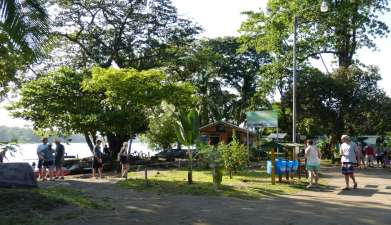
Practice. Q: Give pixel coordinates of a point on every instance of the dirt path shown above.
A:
(369, 204)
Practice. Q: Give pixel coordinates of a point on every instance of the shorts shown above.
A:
(347, 168)
(59, 163)
(96, 164)
(40, 163)
(310, 167)
(48, 164)
(124, 160)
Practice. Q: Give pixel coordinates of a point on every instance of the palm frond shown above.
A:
(27, 24)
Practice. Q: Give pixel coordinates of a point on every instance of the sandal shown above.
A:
(346, 189)
(355, 186)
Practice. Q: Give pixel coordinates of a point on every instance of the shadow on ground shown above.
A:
(133, 207)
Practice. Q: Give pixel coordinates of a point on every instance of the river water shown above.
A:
(28, 152)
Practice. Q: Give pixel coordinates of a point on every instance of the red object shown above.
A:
(369, 151)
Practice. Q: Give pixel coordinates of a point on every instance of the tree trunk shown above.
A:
(115, 144)
(89, 142)
(190, 168)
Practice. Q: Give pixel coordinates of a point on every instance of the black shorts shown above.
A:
(40, 163)
(124, 160)
(47, 164)
(96, 164)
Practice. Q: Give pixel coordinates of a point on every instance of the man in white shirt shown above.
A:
(40, 150)
(348, 160)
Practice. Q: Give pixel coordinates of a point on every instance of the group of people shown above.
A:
(368, 154)
(351, 155)
(50, 160)
(97, 162)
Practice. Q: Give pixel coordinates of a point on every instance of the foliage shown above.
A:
(225, 79)
(187, 131)
(55, 102)
(115, 102)
(161, 129)
(248, 184)
(347, 98)
(26, 24)
(138, 34)
(347, 27)
(234, 155)
(211, 155)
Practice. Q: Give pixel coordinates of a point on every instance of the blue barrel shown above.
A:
(279, 170)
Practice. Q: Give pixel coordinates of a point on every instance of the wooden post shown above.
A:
(273, 167)
(146, 176)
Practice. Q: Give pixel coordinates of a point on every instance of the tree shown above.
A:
(10, 63)
(161, 128)
(130, 97)
(187, 131)
(56, 102)
(139, 34)
(234, 155)
(347, 98)
(117, 103)
(226, 78)
(347, 27)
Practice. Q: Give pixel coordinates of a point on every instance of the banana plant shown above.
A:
(187, 131)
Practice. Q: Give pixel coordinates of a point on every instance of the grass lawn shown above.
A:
(36, 206)
(251, 184)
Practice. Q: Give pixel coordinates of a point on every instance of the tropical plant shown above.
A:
(187, 131)
(26, 23)
(234, 155)
(212, 156)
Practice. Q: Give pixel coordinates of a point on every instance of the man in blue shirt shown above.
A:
(41, 148)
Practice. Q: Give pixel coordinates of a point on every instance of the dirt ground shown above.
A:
(369, 204)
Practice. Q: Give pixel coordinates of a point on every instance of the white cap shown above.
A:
(345, 137)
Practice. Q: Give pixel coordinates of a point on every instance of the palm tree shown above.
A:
(26, 23)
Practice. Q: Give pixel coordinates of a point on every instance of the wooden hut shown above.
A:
(222, 132)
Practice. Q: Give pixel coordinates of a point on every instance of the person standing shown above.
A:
(97, 162)
(40, 149)
(123, 158)
(348, 160)
(59, 159)
(312, 154)
(48, 162)
(379, 150)
(369, 155)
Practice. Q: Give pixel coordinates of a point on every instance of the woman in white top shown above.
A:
(348, 160)
(312, 154)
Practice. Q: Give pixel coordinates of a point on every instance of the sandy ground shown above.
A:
(369, 204)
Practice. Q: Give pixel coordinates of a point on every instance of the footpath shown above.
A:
(369, 204)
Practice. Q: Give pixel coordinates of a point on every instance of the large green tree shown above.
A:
(226, 79)
(56, 102)
(116, 103)
(345, 28)
(139, 34)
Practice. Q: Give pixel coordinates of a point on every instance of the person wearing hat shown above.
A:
(348, 160)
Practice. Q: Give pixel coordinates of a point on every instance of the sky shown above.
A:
(223, 18)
